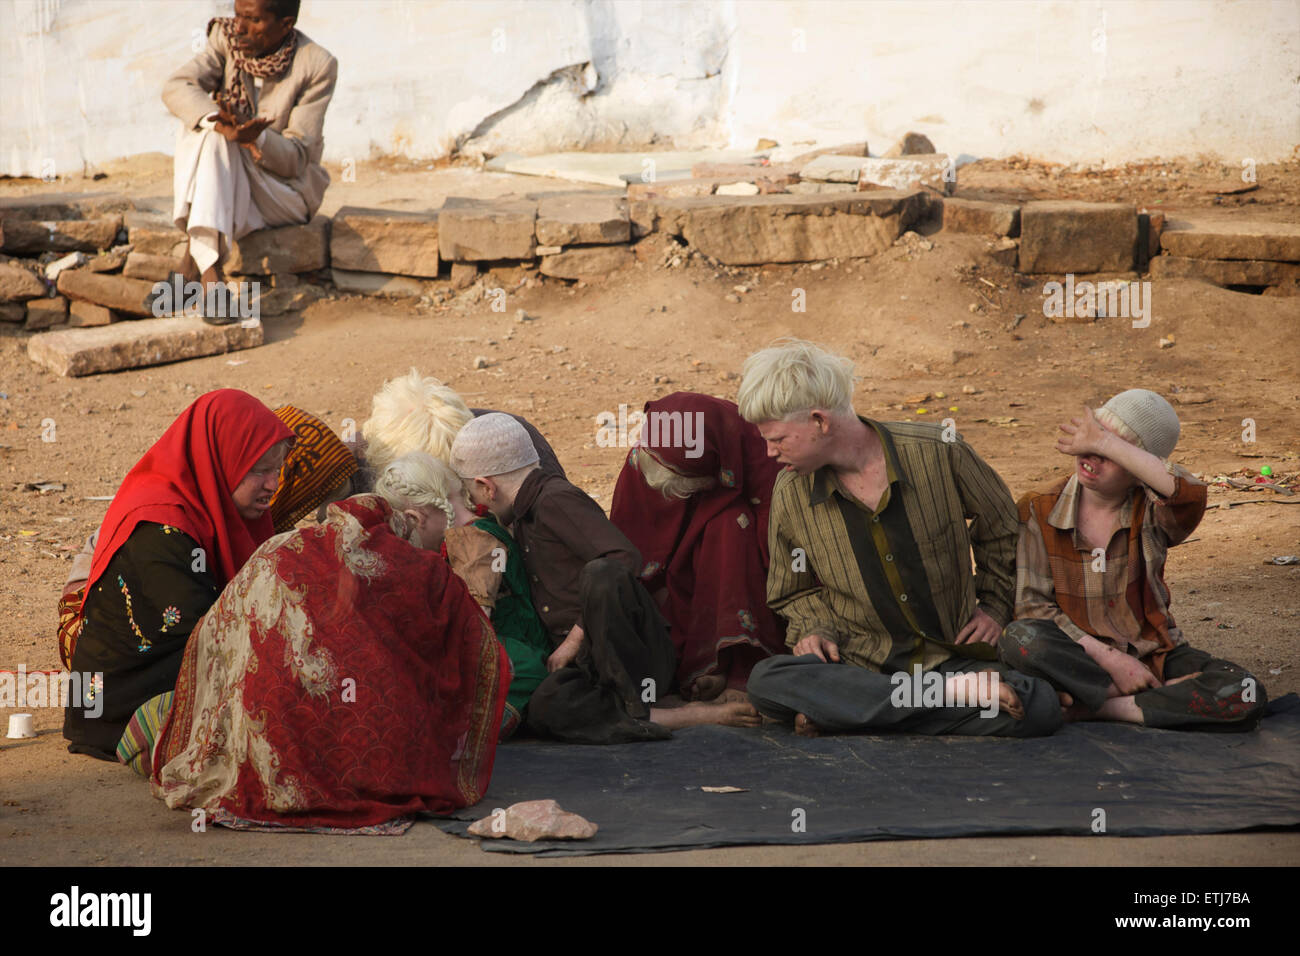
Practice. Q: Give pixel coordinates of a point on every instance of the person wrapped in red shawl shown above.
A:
(693, 497)
(345, 679)
(184, 521)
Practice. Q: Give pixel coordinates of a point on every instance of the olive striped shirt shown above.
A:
(894, 586)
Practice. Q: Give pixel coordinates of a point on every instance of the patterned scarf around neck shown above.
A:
(234, 97)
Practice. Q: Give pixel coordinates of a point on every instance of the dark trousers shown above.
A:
(626, 662)
(842, 697)
(1224, 697)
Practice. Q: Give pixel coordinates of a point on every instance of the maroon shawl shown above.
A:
(709, 551)
(343, 679)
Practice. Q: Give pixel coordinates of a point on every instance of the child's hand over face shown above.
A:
(1082, 435)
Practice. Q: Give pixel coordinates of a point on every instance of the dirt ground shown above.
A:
(942, 329)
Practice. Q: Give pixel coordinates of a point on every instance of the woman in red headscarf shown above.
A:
(693, 497)
(186, 518)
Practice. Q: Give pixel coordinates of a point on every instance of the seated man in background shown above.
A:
(1092, 606)
(871, 566)
(248, 152)
(612, 663)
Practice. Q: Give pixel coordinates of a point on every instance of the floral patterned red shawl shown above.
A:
(343, 679)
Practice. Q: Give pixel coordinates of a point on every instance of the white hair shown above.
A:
(791, 378)
(667, 482)
(418, 480)
(412, 413)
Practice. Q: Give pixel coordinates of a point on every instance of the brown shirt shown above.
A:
(1119, 596)
(295, 103)
(560, 529)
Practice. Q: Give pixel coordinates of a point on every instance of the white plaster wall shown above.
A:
(1081, 81)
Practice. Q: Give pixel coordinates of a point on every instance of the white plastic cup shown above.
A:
(20, 725)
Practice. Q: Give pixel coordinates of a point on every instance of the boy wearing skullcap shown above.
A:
(1092, 607)
(612, 661)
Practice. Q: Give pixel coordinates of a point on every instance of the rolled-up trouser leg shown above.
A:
(627, 662)
(1041, 649)
(842, 697)
(1223, 695)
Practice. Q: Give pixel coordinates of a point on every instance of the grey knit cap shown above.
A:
(1150, 417)
(491, 444)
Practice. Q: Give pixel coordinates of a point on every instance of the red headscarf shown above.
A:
(185, 480)
(708, 550)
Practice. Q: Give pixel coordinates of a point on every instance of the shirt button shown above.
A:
(875, 519)
(889, 557)
(903, 598)
(1111, 602)
(546, 608)
(534, 577)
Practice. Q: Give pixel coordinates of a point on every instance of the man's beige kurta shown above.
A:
(221, 192)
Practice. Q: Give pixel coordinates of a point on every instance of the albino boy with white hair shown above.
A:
(871, 566)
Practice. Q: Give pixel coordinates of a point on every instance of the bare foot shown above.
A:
(728, 714)
(1009, 702)
(707, 687)
(734, 694)
(805, 727)
(965, 689)
(1179, 680)
(1120, 708)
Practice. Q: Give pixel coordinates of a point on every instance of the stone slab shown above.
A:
(585, 261)
(934, 172)
(578, 220)
(1065, 236)
(45, 205)
(846, 149)
(155, 236)
(33, 237)
(142, 265)
(616, 169)
(1225, 271)
(112, 261)
(122, 345)
(980, 216)
(18, 284)
(1275, 242)
(476, 230)
(42, 313)
(13, 312)
(378, 283)
(302, 248)
(87, 314)
(380, 240)
(817, 189)
(831, 168)
(790, 228)
(113, 291)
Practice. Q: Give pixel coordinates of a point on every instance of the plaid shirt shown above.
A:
(892, 587)
(1123, 599)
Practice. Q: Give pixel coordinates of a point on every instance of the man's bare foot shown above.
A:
(966, 689)
(733, 694)
(728, 714)
(1072, 712)
(1179, 680)
(707, 687)
(805, 727)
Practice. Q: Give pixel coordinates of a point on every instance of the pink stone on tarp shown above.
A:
(534, 820)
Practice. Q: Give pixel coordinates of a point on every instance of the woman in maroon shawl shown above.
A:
(694, 498)
(185, 519)
(345, 679)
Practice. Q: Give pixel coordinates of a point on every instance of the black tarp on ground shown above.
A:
(646, 797)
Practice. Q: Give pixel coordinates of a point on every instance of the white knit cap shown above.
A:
(1151, 418)
(491, 444)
